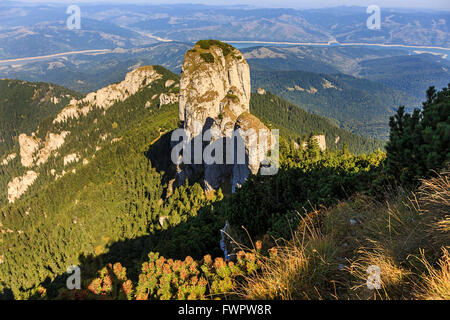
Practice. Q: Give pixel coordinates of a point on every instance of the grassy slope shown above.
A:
(407, 238)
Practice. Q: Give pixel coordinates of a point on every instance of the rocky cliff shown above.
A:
(215, 94)
(35, 151)
(106, 97)
(215, 80)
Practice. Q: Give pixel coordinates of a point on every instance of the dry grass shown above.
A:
(297, 269)
(435, 283)
(433, 201)
(407, 238)
(394, 279)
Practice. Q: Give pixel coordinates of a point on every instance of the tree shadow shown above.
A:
(261, 204)
(196, 237)
(6, 294)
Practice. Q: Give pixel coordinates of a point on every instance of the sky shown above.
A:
(431, 4)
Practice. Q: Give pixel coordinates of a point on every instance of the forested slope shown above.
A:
(23, 105)
(114, 194)
(359, 105)
(297, 124)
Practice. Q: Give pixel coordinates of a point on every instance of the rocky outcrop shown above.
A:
(33, 151)
(52, 142)
(215, 95)
(321, 141)
(167, 98)
(257, 141)
(28, 147)
(18, 186)
(106, 97)
(70, 158)
(8, 159)
(169, 83)
(213, 75)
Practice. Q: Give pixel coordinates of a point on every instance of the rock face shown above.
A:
(52, 142)
(106, 97)
(214, 77)
(19, 185)
(321, 141)
(34, 151)
(28, 146)
(215, 94)
(8, 159)
(70, 158)
(167, 98)
(257, 144)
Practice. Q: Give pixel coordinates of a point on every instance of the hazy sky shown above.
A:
(432, 4)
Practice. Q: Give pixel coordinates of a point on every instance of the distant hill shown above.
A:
(40, 28)
(412, 74)
(359, 105)
(392, 67)
(348, 24)
(89, 72)
(319, 59)
(298, 124)
(53, 36)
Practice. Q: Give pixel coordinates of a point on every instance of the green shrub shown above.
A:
(207, 57)
(419, 143)
(168, 279)
(233, 97)
(226, 48)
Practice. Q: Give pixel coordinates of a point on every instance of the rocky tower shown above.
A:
(215, 94)
(215, 83)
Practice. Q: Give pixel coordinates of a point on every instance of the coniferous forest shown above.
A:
(233, 153)
(105, 215)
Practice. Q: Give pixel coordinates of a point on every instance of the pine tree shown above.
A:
(419, 143)
(312, 148)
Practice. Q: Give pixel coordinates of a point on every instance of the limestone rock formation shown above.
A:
(33, 151)
(257, 142)
(169, 83)
(19, 185)
(70, 158)
(321, 141)
(106, 97)
(53, 142)
(28, 146)
(8, 159)
(214, 75)
(215, 94)
(167, 98)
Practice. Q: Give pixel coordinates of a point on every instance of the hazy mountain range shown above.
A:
(31, 30)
